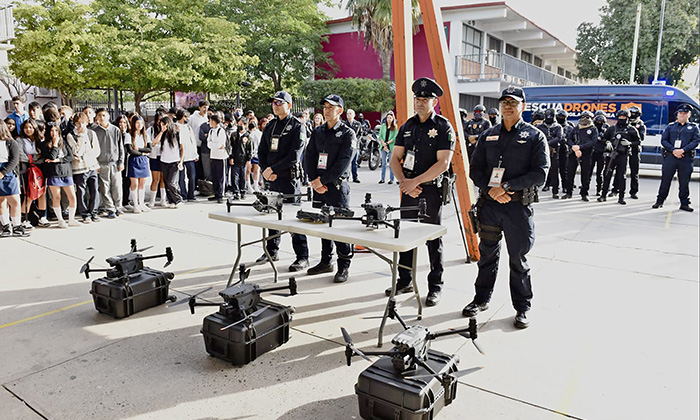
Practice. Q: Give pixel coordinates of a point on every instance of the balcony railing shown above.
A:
(503, 67)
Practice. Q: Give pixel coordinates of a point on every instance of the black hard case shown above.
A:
(241, 345)
(383, 394)
(120, 298)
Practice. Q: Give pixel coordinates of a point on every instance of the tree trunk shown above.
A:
(385, 57)
(138, 96)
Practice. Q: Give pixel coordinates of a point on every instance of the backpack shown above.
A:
(35, 181)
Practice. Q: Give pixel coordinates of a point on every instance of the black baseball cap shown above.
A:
(334, 99)
(513, 92)
(426, 88)
(281, 96)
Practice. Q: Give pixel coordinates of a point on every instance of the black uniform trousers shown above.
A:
(433, 216)
(553, 174)
(684, 167)
(518, 226)
(597, 161)
(287, 185)
(619, 165)
(634, 169)
(571, 166)
(563, 158)
(217, 176)
(336, 197)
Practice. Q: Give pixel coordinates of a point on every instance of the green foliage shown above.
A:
(605, 50)
(53, 39)
(152, 45)
(285, 35)
(359, 94)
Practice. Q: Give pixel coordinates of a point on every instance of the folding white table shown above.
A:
(411, 236)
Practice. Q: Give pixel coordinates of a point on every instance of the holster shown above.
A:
(445, 185)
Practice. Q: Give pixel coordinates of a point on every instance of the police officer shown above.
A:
(328, 159)
(636, 122)
(509, 163)
(537, 118)
(494, 117)
(279, 154)
(475, 127)
(581, 141)
(555, 136)
(598, 158)
(618, 140)
(566, 125)
(422, 152)
(679, 141)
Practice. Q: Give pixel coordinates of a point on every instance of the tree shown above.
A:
(605, 50)
(373, 21)
(151, 46)
(52, 41)
(285, 35)
(14, 86)
(359, 94)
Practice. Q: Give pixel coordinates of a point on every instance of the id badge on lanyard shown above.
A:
(677, 144)
(322, 161)
(274, 144)
(497, 176)
(409, 160)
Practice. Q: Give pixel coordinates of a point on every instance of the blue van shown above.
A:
(658, 104)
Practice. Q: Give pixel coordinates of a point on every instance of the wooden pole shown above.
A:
(403, 58)
(437, 46)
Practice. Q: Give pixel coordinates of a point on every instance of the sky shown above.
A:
(560, 17)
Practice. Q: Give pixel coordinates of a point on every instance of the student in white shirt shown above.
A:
(189, 144)
(216, 141)
(171, 155)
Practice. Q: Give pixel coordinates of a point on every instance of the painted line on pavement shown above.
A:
(55, 311)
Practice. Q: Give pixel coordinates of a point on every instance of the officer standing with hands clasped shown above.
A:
(328, 159)
(679, 141)
(422, 153)
(279, 154)
(509, 163)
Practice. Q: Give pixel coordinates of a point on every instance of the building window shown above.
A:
(526, 56)
(471, 41)
(560, 71)
(512, 50)
(468, 102)
(495, 44)
(538, 61)
(567, 74)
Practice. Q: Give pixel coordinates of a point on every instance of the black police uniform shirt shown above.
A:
(554, 134)
(475, 127)
(681, 136)
(617, 134)
(424, 139)
(329, 153)
(281, 145)
(600, 142)
(522, 151)
(585, 138)
(641, 128)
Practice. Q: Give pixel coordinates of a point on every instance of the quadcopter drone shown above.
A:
(269, 201)
(326, 214)
(376, 214)
(124, 265)
(410, 352)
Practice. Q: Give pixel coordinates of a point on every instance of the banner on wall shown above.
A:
(189, 99)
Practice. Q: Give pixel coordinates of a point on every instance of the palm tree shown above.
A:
(373, 20)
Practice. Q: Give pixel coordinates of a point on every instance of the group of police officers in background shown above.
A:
(509, 160)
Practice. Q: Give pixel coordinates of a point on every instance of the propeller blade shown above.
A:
(144, 249)
(180, 302)
(380, 317)
(478, 347)
(359, 353)
(457, 374)
(346, 336)
(86, 265)
(351, 345)
(167, 264)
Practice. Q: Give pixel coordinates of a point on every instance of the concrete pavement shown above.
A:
(614, 331)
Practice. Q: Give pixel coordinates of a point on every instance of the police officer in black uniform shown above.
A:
(494, 116)
(509, 163)
(598, 158)
(555, 136)
(635, 149)
(279, 154)
(328, 159)
(566, 125)
(618, 140)
(679, 141)
(581, 141)
(422, 153)
(474, 128)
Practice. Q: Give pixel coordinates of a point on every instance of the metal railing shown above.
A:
(503, 67)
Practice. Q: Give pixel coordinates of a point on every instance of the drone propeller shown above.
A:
(144, 249)
(194, 296)
(253, 315)
(86, 267)
(168, 255)
(456, 374)
(471, 335)
(350, 349)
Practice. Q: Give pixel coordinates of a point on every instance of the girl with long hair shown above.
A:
(30, 139)
(154, 137)
(171, 155)
(9, 184)
(59, 175)
(387, 137)
(137, 148)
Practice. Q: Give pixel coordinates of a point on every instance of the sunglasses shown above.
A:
(510, 103)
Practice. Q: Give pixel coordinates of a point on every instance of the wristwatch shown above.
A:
(506, 186)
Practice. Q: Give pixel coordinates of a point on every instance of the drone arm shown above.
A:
(426, 366)
(438, 334)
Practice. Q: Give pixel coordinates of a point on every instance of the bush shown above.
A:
(359, 94)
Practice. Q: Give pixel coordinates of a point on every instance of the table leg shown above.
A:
(394, 274)
(267, 253)
(414, 269)
(238, 256)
